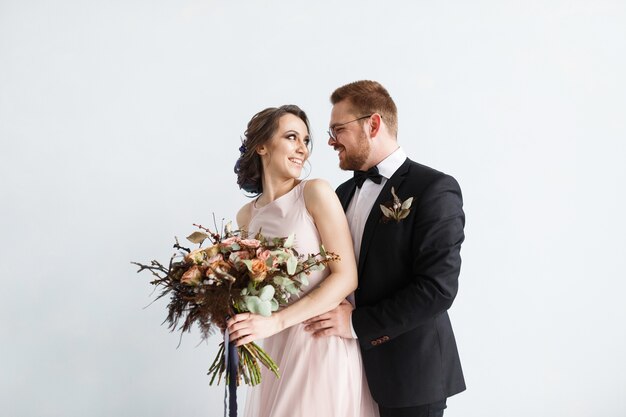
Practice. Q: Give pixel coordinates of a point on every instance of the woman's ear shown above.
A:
(261, 150)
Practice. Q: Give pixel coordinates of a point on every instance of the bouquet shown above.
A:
(233, 274)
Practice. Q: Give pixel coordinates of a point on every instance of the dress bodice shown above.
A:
(286, 215)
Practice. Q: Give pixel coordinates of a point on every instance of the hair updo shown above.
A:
(261, 128)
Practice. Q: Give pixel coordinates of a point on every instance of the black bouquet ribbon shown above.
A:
(231, 368)
(231, 357)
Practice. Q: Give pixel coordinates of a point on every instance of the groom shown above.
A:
(408, 255)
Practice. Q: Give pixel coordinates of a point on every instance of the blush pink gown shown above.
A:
(320, 377)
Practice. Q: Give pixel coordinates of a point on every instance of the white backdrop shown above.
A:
(119, 127)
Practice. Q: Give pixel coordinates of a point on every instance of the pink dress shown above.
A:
(319, 377)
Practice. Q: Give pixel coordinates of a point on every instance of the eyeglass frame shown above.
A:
(331, 129)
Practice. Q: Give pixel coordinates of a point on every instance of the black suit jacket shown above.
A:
(408, 277)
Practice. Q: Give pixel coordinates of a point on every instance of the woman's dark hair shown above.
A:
(260, 129)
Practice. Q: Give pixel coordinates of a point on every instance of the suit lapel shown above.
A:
(346, 196)
(374, 217)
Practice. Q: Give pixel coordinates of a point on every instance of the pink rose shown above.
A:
(251, 243)
(230, 241)
(239, 255)
(263, 254)
(218, 267)
(192, 276)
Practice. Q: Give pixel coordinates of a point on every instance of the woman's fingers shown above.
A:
(246, 327)
(240, 333)
(237, 318)
(244, 340)
(239, 326)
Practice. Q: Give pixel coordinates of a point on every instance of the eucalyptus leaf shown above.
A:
(252, 289)
(289, 241)
(291, 288)
(197, 237)
(283, 282)
(267, 293)
(292, 263)
(257, 306)
(252, 302)
(303, 279)
(407, 203)
(274, 304)
(280, 254)
(265, 308)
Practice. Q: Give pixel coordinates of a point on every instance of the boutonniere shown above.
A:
(397, 209)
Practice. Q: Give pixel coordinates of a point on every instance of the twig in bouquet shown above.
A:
(213, 236)
(259, 354)
(153, 267)
(199, 226)
(215, 222)
(217, 367)
(177, 246)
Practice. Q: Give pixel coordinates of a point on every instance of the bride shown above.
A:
(319, 376)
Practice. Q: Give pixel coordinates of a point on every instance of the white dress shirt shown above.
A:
(363, 200)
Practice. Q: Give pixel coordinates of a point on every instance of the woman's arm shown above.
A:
(330, 220)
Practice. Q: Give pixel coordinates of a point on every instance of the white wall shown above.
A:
(119, 127)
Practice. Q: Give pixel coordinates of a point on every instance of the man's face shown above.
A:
(351, 140)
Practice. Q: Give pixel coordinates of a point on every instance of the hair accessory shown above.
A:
(243, 149)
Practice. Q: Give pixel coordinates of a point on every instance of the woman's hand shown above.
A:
(247, 327)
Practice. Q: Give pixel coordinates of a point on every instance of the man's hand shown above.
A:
(336, 322)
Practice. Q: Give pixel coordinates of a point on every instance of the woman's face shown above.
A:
(285, 153)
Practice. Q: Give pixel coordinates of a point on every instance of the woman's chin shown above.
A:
(296, 172)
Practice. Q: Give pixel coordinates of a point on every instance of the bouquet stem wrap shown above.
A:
(231, 362)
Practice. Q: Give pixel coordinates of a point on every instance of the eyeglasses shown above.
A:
(331, 130)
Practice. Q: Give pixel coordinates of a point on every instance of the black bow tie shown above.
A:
(372, 174)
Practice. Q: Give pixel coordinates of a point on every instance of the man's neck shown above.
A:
(380, 154)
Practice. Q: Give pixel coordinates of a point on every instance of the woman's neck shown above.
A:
(274, 189)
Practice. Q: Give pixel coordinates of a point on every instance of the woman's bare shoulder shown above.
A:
(319, 196)
(317, 187)
(244, 216)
